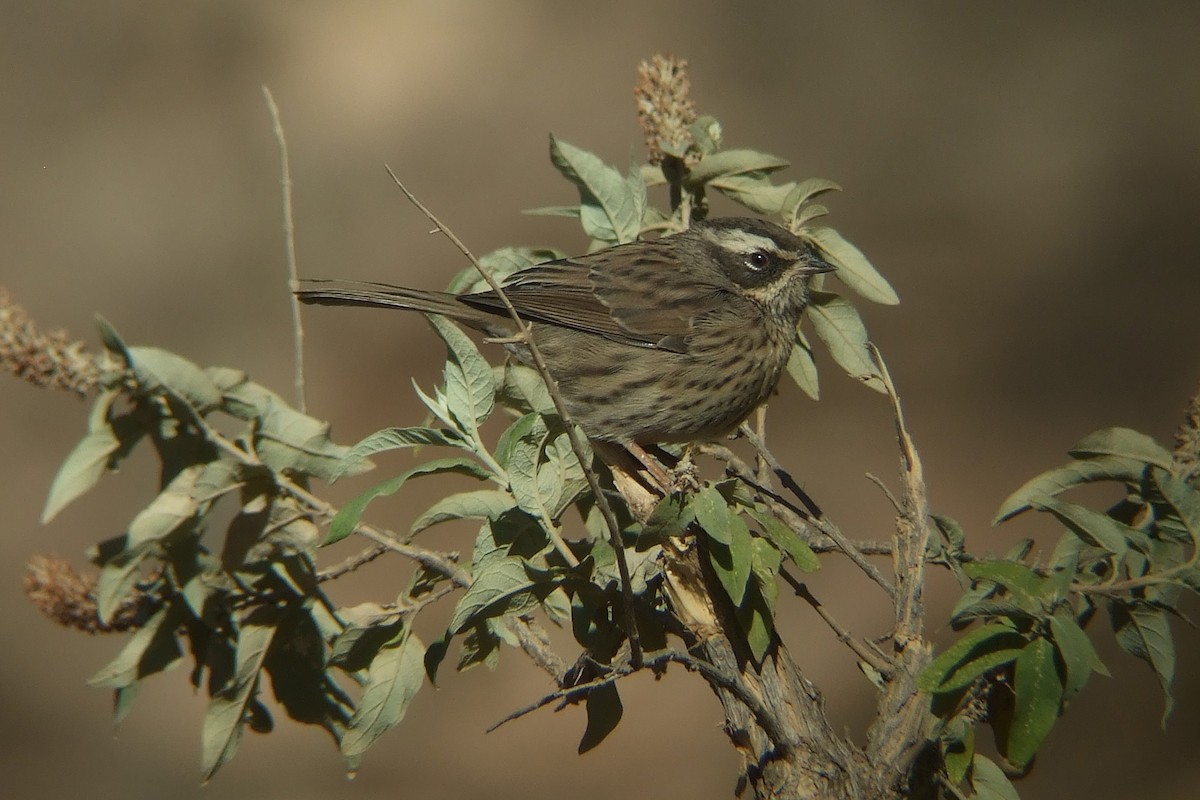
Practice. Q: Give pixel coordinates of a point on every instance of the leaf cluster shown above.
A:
(1028, 651)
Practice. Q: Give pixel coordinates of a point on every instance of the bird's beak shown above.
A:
(815, 265)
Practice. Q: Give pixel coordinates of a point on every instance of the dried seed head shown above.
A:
(1187, 440)
(69, 598)
(664, 106)
(44, 359)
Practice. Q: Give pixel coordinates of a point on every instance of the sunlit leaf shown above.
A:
(1122, 442)
(837, 323)
(853, 268)
(393, 679)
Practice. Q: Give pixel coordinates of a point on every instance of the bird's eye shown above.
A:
(757, 260)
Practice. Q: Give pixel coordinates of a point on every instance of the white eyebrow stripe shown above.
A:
(741, 241)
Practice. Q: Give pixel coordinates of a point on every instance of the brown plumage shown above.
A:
(670, 340)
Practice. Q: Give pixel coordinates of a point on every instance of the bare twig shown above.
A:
(797, 518)
(289, 231)
(536, 644)
(352, 563)
(578, 445)
(860, 648)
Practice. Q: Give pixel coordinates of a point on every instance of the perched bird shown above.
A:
(676, 339)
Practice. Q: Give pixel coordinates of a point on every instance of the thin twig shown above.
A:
(352, 563)
(289, 230)
(578, 445)
(796, 518)
(536, 644)
(860, 648)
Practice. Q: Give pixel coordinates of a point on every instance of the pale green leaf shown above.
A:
(393, 679)
(501, 586)
(853, 268)
(221, 732)
(990, 782)
(803, 369)
(733, 162)
(152, 648)
(286, 439)
(470, 392)
(609, 207)
(755, 191)
(173, 508)
(480, 504)
(399, 438)
(156, 367)
(837, 323)
(87, 460)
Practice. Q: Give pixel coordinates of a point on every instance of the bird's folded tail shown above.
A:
(380, 295)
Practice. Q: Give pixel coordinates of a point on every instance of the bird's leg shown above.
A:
(656, 471)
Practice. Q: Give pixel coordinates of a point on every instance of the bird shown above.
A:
(669, 340)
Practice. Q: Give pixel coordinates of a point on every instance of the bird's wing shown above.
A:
(646, 301)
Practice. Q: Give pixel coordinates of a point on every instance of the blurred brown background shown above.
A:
(1027, 177)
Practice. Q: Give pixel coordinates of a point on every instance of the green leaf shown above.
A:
(155, 367)
(395, 675)
(953, 669)
(173, 508)
(1093, 527)
(286, 439)
(1039, 692)
(501, 264)
(1076, 651)
(117, 581)
(1144, 632)
(543, 473)
(755, 620)
(670, 518)
(755, 191)
(837, 323)
(502, 586)
(786, 540)
(470, 391)
(604, 711)
(1076, 473)
(609, 207)
(804, 191)
(853, 268)
(400, 438)
(732, 562)
(733, 162)
(522, 389)
(1023, 584)
(480, 504)
(712, 511)
(153, 648)
(957, 753)
(803, 369)
(87, 460)
(765, 562)
(349, 516)
(228, 708)
(1122, 442)
(989, 781)
(1184, 498)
